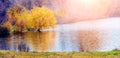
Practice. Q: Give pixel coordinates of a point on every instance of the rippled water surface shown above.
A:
(101, 35)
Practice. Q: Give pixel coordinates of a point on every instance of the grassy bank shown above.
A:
(12, 54)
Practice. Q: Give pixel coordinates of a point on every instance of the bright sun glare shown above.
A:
(86, 9)
(89, 2)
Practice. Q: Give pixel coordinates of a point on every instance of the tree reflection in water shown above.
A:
(3, 44)
(31, 41)
(62, 41)
(23, 47)
(89, 40)
(17, 42)
(41, 41)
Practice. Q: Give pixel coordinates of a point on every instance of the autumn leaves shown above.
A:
(22, 19)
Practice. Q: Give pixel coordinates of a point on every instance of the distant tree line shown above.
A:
(28, 4)
(25, 15)
(21, 19)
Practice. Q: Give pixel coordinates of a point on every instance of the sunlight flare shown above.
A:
(89, 2)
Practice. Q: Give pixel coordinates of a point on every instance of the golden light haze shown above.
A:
(77, 10)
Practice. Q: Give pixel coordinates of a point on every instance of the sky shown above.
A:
(71, 10)
(80, 10)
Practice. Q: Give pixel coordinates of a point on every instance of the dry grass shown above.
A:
(12, 54)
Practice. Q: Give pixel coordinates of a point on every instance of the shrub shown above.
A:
(37, 18)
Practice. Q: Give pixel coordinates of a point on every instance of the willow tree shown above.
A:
(43, 18)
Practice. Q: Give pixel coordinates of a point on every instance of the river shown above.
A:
(96, 35)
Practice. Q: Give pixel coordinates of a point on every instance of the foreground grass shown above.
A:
(12, 54)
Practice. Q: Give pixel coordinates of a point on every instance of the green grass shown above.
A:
(12, 54)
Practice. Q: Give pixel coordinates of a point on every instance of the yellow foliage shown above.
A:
(37, 18)
(8, 25)
(43, 17)
(14, 16)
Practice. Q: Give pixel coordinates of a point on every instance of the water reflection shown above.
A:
(23, 47)
(41, 41)
(63, 40)
(89, 40)
(30, 41)
(18, 42)
(3, 44)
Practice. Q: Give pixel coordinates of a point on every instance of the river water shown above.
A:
(99, 35)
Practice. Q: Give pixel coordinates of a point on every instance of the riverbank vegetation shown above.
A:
(12, 54)
(22, 19)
